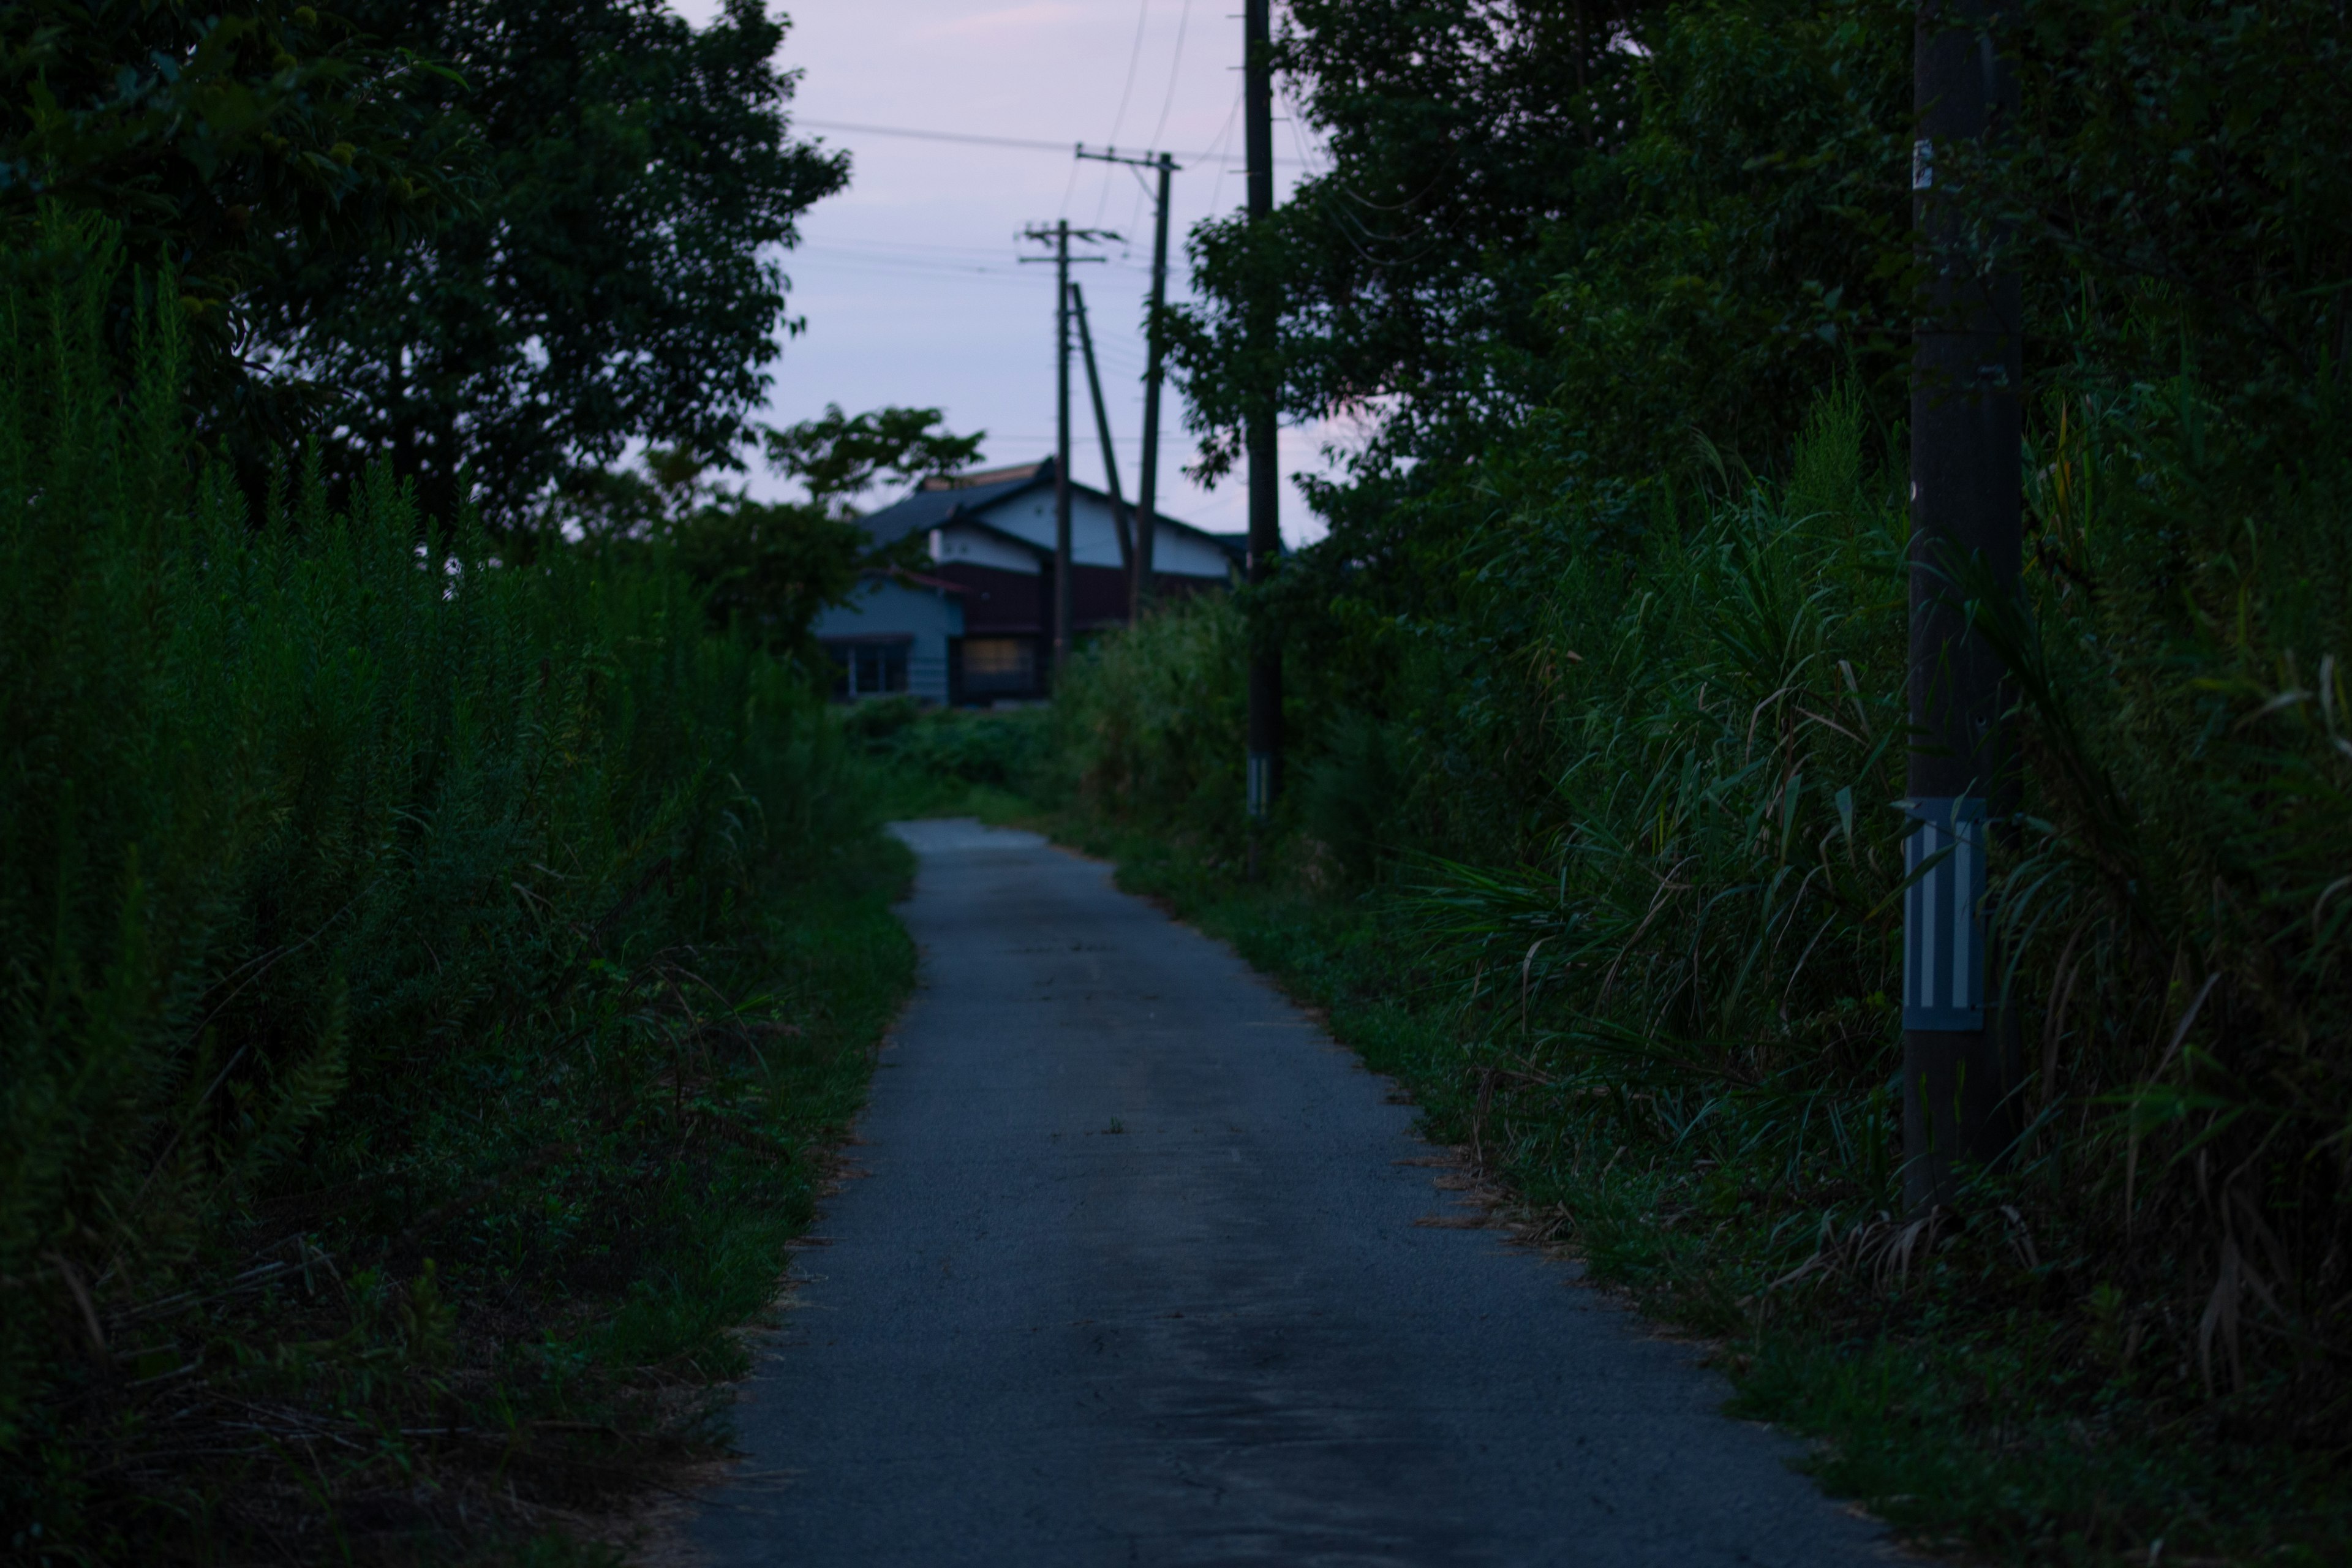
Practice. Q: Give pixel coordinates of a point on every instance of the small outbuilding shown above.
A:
(976, 627)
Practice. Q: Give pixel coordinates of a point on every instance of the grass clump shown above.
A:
(431, 980)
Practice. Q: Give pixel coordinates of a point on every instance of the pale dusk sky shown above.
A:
(909, 279)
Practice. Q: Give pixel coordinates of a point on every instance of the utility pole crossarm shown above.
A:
(1140, 159)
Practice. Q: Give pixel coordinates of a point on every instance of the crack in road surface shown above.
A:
(1141, 1270)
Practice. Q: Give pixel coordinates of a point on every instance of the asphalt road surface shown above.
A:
(1135, 1278)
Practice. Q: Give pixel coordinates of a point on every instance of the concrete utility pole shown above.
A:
(1155, 371)
(1147, 498)
(1264, 741)
(1960, 1068)
(1102, 431)
(1059, 236)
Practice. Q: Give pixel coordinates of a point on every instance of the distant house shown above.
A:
(976, 625)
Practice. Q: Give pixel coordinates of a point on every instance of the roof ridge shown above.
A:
(979, 478)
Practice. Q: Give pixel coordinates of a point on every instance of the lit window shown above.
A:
(995, 665)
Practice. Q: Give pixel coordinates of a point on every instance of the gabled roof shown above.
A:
(979, 476)
(937, 501)
(930, 507)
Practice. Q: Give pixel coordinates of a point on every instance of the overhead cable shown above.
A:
(1023, 144)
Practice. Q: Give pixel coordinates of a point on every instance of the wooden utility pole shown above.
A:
(1960, 1069)
(1102, 430)
(1059, 236)
(1146, 498)
(1264, 777)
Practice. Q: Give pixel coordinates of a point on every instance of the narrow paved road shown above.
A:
(1135, 1279)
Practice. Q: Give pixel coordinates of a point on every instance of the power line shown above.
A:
(1174, 60)
(1069, 187)
(1224, 139)
(992, 252)
(1134, 58)
(1102, 201)
(966, 258)
(1298, 137)
(1075, 439)
(819, 259)
(976, 261)
(1022, 143)
(1142, 194)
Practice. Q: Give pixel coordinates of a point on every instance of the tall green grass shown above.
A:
(424, 976)
(1605, 861)
(1145, 721)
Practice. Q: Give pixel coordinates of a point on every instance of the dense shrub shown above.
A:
(1636, 850)
(1621, 693)
(951, 749)
(1143, 724)
(1701, 897)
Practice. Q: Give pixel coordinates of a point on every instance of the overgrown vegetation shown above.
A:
(948, 763)
(431, 983)
(1597, 687)
(443, 927)
(1668, 1024)
(434, 953)
(494, 243)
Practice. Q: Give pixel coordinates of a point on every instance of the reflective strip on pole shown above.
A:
(1943, 914)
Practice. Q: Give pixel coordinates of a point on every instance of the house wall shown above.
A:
(997, 602)
(1020, 604)
(1098, 597)
(1094, 536)
(1178, 552)
(1030, 516)
(884, 608)
(957, 545)
(989, 640)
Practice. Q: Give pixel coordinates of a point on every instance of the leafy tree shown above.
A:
(1750, 245)
(2178, 190)
(769, 567)
(212, 135)
(838, 456)
(1557, 239)
(623, 277)
(1690, 240)
(1407, 277)
(772, 567)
